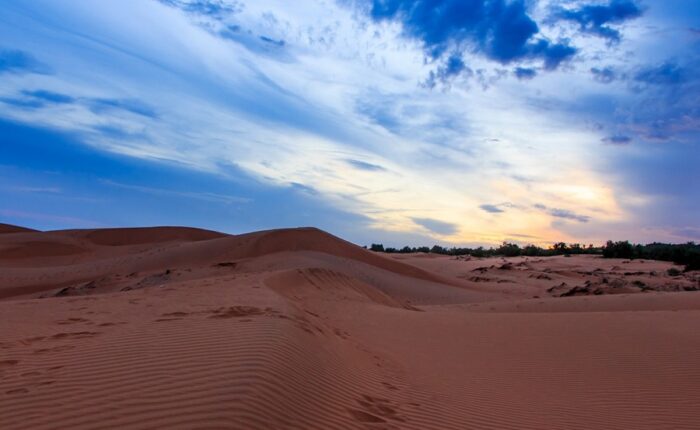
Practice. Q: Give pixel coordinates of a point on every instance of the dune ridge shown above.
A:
(8, 228)
(184, 328)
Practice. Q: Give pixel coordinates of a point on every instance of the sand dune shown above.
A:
(136, 236)
(7, 228)
(185, 328)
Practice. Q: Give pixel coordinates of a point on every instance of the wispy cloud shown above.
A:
(494, 209)
(50, 218)
(562, 213)
(205, 196)
(363, 165)
(30, 189)
(437, 226)
(604, 75)
(17, 61)
(129, 105)
(667, 73)
(617, 139)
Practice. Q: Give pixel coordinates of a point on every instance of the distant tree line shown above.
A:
(687, 254)
(506, 249)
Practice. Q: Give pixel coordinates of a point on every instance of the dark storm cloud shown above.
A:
(524, 73)
(597, 19)
(498, 29)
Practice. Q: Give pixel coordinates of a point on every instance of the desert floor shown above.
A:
(185, 328)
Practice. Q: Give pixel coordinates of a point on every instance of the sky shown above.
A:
(456, 122)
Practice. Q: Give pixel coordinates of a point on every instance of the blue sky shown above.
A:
(406, 122)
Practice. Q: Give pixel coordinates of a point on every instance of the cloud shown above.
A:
(617, 139)
(16, 61)
(597, 19)
(49, 96)
(37, 99)
(29, 189)
(689, 232)
(304, 188)
(500, 30)
(453, 67)
(363, 165)
(523, 236)
(222, 18)
(566, 214)
(437, 226)
(23, 103)
(605, 75)
(562, 213)
(137, 107)
(50, 218)
(213, 8)
(667, 73)
(205, 196)
(524, 73)
(279, 43)
(494, 209)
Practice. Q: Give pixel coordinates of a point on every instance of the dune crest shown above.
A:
(8, 228)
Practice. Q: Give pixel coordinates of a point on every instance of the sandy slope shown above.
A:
(184, 328)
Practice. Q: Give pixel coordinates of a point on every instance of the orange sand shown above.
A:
(185, 328)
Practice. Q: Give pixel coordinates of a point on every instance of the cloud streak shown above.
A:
(14, 61)
(437, 226)
(562, 213)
